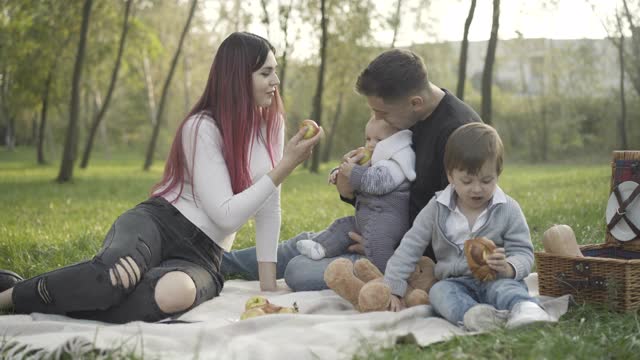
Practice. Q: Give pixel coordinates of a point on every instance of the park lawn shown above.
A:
(45, 225)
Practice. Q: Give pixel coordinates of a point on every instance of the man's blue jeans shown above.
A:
(299, 272)
(451, 298)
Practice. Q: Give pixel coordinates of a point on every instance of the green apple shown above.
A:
(251, 313)
(311, 128)
(366, 155)
(255, 301)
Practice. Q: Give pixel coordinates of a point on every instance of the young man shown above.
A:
(398, 90)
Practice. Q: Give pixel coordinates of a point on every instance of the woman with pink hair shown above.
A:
(226, 164)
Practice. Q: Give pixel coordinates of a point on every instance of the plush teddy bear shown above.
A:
(361, 284)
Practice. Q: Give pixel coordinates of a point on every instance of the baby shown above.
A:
(381, 189)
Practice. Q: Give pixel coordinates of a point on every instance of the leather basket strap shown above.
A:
(621, 211)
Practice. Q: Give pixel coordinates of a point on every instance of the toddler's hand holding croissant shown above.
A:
(497, 261)
(477, 251)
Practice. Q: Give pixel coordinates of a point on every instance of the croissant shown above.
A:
(476, 251)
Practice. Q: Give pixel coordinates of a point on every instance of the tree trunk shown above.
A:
(265, 16)
(284, 13)
(165, 89)
(43, 118)
(623, 104)
(317, 99)
(148, 82)
(395, 23)
(86, 111)
(515, 138)
(44, 132)
(544, 136)
(464, 47)
(9, 140)
(10, 136)
(236, 12)
(186, 67)
(104, 135)
(97, 104)
(71, 141)
(283, 72)
(635, 48)
(114, 77)
(34, 129)
(541, 120)
(326, 154)
(487, 73)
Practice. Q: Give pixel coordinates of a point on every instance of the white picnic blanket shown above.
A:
(327, 327)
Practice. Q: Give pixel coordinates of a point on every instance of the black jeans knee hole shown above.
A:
(43, 292)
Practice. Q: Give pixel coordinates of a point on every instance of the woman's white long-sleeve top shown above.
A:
(207, 199)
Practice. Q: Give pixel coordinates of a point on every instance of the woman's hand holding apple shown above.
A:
(299, 148)
(296, 151)
(310, 128)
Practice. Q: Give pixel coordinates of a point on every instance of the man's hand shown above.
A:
(358, 247)
(333, 175)
(396, 304)
(344, 186)
(349, 160)
(345, 169)
(342, 180)
(497, 261)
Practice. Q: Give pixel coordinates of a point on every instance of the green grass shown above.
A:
(45, 225)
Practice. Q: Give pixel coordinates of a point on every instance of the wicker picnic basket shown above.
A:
(609, 273)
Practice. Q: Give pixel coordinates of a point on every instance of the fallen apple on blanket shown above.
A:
(259, 305)
(255, 301)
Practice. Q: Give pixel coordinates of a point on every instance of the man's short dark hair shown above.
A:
(393, 74)
(470, 146)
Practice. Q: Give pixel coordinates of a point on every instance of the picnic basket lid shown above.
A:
(623, 211)
(623, 207)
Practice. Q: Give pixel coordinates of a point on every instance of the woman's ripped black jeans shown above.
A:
(118, 284)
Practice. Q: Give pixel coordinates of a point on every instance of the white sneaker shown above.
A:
(484, 317)
(310, 249)
(527, 312)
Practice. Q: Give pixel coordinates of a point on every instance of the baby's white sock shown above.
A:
(311, 249)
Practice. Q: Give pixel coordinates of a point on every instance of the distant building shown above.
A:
(524, 66)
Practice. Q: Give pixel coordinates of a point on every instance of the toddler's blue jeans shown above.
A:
(451, 298)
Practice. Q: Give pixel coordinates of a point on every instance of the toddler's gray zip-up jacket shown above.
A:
(506, 226)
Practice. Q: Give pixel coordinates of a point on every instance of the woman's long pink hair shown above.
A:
(228, 98)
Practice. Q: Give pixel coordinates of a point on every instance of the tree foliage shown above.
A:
(550, 99)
